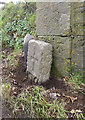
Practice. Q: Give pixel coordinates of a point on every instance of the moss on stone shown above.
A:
(55, 71)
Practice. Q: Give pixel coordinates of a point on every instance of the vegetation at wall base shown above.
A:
(15, 25)
(32, 102)
(76, 80)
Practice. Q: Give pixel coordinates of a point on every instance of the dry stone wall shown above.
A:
(62, 24)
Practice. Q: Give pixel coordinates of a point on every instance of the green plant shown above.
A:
(19, 43)
(6, 90)
(35, 105)
(76, 80)
(13, 58)
(77, 114)
(2, 55)
(15, 25)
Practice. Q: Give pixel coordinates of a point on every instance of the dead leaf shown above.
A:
(57, 90)
(63, 95)
(14, 88)
(15, 83)
(66, 78)
(72, 98)
(83, 85)
(72, 111)
(22, 106)
(58, 94)
(11, 73)
(15, 93)
(79, 111)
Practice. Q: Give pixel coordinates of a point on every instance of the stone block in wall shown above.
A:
(62, 65)
(62, 46)
(53, 18)
(77, 53)
(77, 14)
(61, 52)
(39, 60)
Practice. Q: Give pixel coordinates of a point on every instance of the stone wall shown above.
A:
(61, 24)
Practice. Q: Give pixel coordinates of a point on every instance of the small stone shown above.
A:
(53, 95)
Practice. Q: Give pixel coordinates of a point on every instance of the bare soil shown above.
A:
(22, 81)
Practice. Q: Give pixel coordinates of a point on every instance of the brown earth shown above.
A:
(75, 100)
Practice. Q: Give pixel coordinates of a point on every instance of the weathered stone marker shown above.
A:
(39, 60)
(27, 38)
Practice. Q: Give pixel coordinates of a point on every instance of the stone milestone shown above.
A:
(39, 60)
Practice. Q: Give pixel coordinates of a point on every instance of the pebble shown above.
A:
(53, 95)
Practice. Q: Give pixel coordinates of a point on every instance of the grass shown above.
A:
(33, 101)
(34, 104)
(5, 90)
(76, 80)
(2, 55)
(13, 58)
(77, 114)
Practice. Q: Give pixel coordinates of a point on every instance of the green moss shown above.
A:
(55, 71)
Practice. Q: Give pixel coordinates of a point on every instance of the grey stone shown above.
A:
(27, 38)
(53, 95)
(62, 25)
(61, 52)
(53, 17)
(39, 60)
(78, 52)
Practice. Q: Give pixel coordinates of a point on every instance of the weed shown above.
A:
(76, 80)
(2, 55)
(16, 24)
(6, 90)
(36, 106)
(77, 114)
(32, 102)
(13, 58)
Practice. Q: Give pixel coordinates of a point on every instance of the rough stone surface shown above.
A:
(27, 38)
(77, 18)
(77, 52)
(77, 25)
(51, 18)
(62, 25)
(61, 52)
(39, 60)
